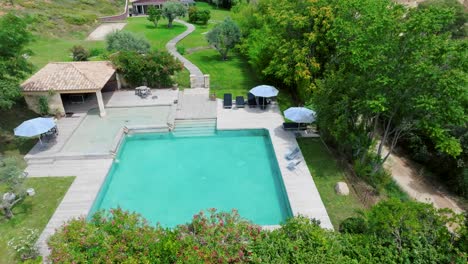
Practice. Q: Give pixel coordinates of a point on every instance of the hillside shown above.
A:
(62, 18)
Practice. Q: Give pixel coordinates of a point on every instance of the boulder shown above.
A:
(341, 188)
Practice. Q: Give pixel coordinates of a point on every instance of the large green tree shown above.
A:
(14, 66)
(224, 37)
(126, 41)
(173, 9)
(154, 15)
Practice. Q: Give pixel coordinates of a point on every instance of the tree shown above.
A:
(79, 53)
(12, 177)
(173, 9)
(126, 41)
(196, 15)
(224, 36)
(14, 66)
(154, 15)
(154, 69)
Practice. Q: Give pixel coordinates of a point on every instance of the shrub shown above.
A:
(24, 244)
(79, 53)
(126, 41)
(198, 16)
(354, 225)
(112, 237)
(43, 102)
(79, 19)
(181, 50)
(95, 52)
(216, 237)
(153, 69)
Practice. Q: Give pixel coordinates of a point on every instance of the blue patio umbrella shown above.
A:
(264, 91)
(34, 127)
(300, 114)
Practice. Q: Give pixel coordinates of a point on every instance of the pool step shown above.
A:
(194, 127)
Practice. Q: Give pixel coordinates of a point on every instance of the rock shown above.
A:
(341, 188)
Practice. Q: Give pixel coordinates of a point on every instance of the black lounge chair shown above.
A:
(294, 126)
(251, 100)
(240, 103)
(227, 100)
(263, 102)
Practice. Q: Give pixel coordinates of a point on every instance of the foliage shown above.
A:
(109, 238)
(391, 232)
(224, 37)
(154, 15)
(181, 49)
(199, 16)
(154, 69)
(126, 41)
(80, 53)
(216, 238)
(286, 40)
(14, 66)
(458, 27)
(13, 180)
(25, 244)
(43, 102)
(173, 9)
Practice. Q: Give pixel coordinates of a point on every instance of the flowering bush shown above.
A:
(113, 237)
(25, 244)
(216, 237)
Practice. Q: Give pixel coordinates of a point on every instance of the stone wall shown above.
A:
(55, 102)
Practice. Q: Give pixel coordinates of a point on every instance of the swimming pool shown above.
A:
(168, 179)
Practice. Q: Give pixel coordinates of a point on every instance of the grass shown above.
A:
(231, 76)
(63, 18)
(9, 144)
(34, 212)
(326, 173)
(158, 37)
(197, 38)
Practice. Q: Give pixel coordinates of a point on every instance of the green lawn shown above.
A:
(9, 144)
(231, 76)
(197, 38)
(326, 173)
(158, 37)
(34, 212)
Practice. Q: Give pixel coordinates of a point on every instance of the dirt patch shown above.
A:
(102, 30)
(192, 50)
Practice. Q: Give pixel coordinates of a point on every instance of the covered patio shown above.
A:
(63, 84)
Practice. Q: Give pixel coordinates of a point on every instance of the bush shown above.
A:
(198, 16)
(24, 244)
(354, 225)
(216, 237)
(126, 41)
(181, 50)
(79, 19)
(154, 69)
(95, 52)
(43, 102)
(112, 237)
(79, 53)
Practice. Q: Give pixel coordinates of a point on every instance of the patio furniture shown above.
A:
(293, 153)
(251, 100)
(240, 103)
(292, 165)
(300, 115)
(143, 91)
(263, 102)
(294, 126)
(227, 103)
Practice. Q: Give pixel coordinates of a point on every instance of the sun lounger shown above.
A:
(227, 100)
(240, 103)
(292, 165)
(292, 154)
(251, 100)
(294, 126)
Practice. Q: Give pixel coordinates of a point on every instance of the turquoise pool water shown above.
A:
(168, 179)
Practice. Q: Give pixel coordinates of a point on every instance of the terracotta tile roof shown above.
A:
(69, 76)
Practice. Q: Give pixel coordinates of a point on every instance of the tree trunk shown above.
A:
(224, 54)
(169, 25)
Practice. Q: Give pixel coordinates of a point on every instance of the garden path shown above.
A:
(411, 181)
(198, 81)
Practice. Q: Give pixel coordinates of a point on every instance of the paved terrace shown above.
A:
(304, 197)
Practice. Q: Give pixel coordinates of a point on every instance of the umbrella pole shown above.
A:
(40, 140)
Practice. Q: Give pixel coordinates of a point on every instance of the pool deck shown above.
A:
(90, 175)
(303, 195)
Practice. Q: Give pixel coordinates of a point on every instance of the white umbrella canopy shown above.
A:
(264, 91)
(300, 114)
(34, 127)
